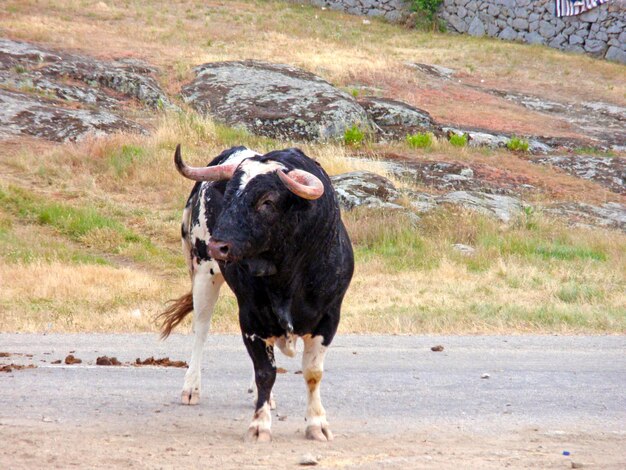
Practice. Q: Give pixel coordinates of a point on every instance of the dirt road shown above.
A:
(391, 401)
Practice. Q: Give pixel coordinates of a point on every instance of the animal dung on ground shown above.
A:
(281, 370)
(70, 359)
(58, 361)
(4, 354)
(163, 362)
(108, 361)
(437, 348)
(12, 367)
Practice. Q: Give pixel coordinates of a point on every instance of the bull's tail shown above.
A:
(174, 314)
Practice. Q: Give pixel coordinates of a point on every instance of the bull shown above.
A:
(270, 227)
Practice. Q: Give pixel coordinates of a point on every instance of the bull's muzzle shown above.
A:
(220, 250)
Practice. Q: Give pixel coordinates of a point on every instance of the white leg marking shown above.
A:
(260, 427)
(312, 371)
(206, 289)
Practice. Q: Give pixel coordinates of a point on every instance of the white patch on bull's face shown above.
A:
(240, 156)
(253, 168)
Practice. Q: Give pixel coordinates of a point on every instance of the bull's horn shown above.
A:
(204, 173)
(302, 183)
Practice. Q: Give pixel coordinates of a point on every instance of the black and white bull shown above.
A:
(270, 226)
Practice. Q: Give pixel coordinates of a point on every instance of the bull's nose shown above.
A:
(219, 249)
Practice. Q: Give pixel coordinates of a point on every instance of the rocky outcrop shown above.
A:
(64, 97)
(365, 189)
(273, 100)
(609, 215)
(92, 81)
(459, 176)
(602, 121)
(25, 114)
(395, 119)
(609, 172)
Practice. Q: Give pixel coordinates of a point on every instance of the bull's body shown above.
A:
(287, 258)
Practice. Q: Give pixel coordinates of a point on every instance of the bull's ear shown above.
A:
(302, 183)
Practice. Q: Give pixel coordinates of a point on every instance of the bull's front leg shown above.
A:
(205, 289)
(312, 371)
(262, 355)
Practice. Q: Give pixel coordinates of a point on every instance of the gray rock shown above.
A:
(493, 10)
(609, 172)
(365, 189)
(461, 12)
(508, 33)
(431, 69)
(273, 100)
(595, 47)
(458, 24)
(464, 249)
(50, 71)
(609, 215)
(575, 40)
(534, 38)
(546, 29)
(476, 27)
(521, 13)
(616, 54)
(492, 30)
(395, 118)
(472, 5)
(505, 208)
(26, 114)
(558, 41)
(520, 24)
(590, 16)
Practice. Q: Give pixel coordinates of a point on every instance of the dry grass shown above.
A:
(116, 260)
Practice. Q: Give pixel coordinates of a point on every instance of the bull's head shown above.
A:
(259, 193)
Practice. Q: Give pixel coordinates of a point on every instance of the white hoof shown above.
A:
(190, 396)
(320, 433)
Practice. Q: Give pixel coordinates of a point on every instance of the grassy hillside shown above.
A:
(89, 232)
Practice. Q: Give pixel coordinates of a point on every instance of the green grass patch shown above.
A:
(458, 140)
(516, 144)
(85, 225)
(420, 140)
(124, 159)
(354, 136)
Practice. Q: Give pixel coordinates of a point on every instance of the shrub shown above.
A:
(420, 140)
(458, 140)
(427, 14)
(354, 136)
(517, 145)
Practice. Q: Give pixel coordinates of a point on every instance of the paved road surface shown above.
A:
(391, 401)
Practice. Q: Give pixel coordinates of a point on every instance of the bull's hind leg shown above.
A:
(312, 371)
(262, 355)
(207, 281)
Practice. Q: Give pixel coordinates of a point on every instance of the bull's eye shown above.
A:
(266, 202)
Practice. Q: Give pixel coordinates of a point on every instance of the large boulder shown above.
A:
(505, 208)
(273, 100)
(25, 114)
(396, 119)
(25, 65)
(64, 97)
(362, 188)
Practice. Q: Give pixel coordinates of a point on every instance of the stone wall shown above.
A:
(600, 32)
(392, 10)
